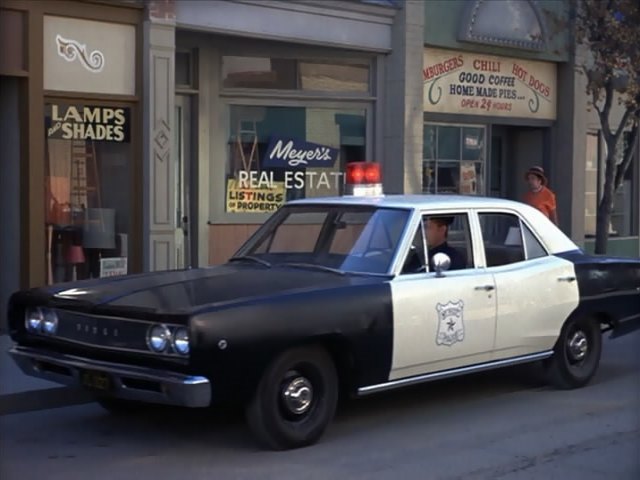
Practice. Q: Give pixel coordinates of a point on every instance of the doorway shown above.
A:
(10, 101)
(513, 150)
(185, 192)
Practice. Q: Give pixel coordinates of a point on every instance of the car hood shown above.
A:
(180, 291)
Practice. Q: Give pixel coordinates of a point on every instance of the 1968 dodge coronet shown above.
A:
(353, 295)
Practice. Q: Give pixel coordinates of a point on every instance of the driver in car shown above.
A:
(437, 231)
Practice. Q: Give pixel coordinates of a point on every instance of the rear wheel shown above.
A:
(576, 354)
(295, 399)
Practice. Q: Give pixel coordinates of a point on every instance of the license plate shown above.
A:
(95, 380)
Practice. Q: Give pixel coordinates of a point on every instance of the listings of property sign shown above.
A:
(472, 84)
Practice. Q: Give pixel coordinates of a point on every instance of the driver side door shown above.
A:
(442, 321)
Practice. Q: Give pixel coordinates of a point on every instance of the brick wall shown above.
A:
(163, 10)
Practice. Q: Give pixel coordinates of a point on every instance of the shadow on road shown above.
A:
(224, 429)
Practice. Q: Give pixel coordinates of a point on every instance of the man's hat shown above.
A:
(441, 220)
(537, 171)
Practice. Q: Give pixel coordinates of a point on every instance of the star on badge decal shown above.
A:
(450, 323)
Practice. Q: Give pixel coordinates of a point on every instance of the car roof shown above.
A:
(554, 239)
(413, 201)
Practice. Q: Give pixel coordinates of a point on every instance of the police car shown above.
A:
(351, 295)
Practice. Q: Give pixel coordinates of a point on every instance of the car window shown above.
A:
(507, 240)
(415, 260)
(533, 248)
(345, 237)
(443, 232)
(298, 233)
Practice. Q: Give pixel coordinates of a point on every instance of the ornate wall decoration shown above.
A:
(506, 23)
(71, 50)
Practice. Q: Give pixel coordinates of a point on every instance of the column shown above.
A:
(159, 229)
(403, 107)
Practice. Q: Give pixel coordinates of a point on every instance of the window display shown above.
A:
(277, 154)
(453, 159)
(295, 74)
(87, 194)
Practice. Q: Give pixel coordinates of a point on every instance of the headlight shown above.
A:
(33, 319)
(50, 322)
(181, 340)
(158, 338)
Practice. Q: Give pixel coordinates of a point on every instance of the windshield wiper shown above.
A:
(250, 258)
(312, 266)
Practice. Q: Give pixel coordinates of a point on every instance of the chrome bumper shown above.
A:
(114, 379)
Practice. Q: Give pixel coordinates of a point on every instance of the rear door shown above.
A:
(535, 291)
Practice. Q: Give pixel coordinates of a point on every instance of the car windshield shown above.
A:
(341, 238)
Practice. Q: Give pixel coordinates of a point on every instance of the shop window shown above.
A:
(185, 69)
(453, 159)
(292, 74)
(591, 185)
(88, 202)
(283, 153)
(625, 206)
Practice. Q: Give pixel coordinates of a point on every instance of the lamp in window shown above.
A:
(99, 233)
(75, 256)
(99, 229)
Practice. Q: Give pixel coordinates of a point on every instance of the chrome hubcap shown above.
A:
(578, 345)
(298, 395)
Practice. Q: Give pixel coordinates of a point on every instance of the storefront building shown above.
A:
(70, 117)
(491, 96)
(625, 218)
(500, 95)
(257, 103)
(151, 135)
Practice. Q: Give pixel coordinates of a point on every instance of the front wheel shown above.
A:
(576, 354)
(295, 399)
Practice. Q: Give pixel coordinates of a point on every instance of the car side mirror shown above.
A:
(441, 263)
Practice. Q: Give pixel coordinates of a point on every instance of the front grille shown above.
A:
(109, 332)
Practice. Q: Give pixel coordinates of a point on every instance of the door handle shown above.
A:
(185, 225)
(486, 288)
(569, 279)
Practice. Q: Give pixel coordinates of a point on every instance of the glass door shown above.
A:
(185, 214)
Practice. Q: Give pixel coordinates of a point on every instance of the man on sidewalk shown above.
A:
(539, 195)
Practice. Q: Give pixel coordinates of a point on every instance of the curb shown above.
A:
(42, 400)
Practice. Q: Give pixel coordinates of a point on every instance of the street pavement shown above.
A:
(505, 425)
(23, 393)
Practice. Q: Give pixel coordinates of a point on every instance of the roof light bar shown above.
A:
(363, 179)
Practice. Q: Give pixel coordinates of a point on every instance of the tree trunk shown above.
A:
(605, 205)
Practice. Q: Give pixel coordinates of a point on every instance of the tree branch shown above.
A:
(606, 109)
(628, 154)
(594, 94)
(623, 123)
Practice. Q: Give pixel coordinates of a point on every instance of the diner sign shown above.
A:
(473, 84)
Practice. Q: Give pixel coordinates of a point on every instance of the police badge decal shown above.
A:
(450, 323)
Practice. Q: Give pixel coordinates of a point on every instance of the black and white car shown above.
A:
(335, 296)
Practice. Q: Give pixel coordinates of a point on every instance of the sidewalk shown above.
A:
(22, 393)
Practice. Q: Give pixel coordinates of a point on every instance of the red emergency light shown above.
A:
(363, 179)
